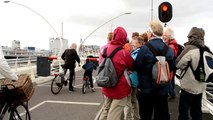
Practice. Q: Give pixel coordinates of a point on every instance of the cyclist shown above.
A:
(5, 71)
(89, 67)
(70, 57)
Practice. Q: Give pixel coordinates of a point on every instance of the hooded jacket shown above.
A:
(122, 60)
(191, 54)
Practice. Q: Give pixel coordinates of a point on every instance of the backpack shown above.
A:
(160, 70)
(106, 76)
(204, 70)
(180, 49)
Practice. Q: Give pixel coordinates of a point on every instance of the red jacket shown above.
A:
(174, 45)
(122, 60)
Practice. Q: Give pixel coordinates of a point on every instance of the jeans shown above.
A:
(171, 90)
(72, 72)
(190, 102)
(172, 86)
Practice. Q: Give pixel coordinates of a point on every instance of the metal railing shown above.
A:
(21, 62)
(207, 102)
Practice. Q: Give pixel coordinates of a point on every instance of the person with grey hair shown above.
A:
(152, 98)
(191, 89)
(70, 57)
(168, 37)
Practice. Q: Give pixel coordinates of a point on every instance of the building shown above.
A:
(90, 50)
(54, 45)
(16, 45)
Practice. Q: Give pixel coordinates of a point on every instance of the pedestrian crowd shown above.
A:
(152, 54)
(144, 98)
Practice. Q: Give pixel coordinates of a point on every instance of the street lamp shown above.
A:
(105, 23)
(81, 44)
(61, 43)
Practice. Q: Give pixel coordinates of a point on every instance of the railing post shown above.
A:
(16, 65)
(32, 75)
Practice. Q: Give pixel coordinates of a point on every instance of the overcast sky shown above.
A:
(81, 17)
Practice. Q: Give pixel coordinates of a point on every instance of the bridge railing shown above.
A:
(21, 62)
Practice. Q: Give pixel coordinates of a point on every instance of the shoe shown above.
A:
(71, 89)
(65, 83)
(93, 90)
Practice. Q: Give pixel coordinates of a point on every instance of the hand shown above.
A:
(129, 72)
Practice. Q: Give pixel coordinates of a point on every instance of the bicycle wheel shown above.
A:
(19, 112)
(84, 87)
(56, 85)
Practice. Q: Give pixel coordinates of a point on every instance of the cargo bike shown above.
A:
(14, 97)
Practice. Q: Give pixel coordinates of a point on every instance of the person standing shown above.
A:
(109, 38)
(128, 46)
(191, 89)
(116, 97)
(131, 110)
(70, 57)
(168, 37)
(152, 98)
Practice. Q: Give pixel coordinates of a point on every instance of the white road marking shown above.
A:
(68, 102)
(34, 107)
(63, 102)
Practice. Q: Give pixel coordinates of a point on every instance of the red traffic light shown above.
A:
(164, 7)
(165, 12)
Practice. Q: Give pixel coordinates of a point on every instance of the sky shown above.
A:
(33, 22)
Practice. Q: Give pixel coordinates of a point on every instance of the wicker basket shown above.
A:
(23, 89)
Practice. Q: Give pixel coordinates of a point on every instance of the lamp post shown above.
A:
(105, 23)
(102, 25)
(61, 43)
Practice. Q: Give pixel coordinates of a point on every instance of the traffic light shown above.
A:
(165, 12)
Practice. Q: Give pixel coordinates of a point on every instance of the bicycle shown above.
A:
(12, 107)
(60, 80)
(86, 85)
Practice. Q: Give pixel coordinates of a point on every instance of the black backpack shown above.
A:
(180, 49)
(107, 76)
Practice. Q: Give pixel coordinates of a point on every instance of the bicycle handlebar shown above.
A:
(5, 87)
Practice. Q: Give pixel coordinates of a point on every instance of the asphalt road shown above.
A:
(75, 105)
(66, 105)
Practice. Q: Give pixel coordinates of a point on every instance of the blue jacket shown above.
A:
(143, 65)
(134, 75)
(89, 66)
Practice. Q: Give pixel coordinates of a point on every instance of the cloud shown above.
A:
(81, 17)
